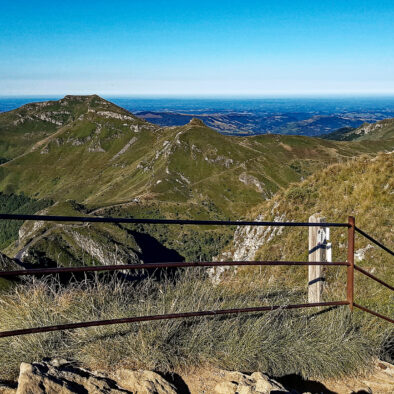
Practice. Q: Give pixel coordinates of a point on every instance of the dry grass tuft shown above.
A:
(281, 342)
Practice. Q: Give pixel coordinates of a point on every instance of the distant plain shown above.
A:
(312, 116)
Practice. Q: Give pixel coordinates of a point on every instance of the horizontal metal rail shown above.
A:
(71, 326)
(363, 308)
(99, 219)
(150, 266)
(363, 271)
(364, 234)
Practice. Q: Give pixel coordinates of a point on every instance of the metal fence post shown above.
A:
(317, 253)
(350, 260)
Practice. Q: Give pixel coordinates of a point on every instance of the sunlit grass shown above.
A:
(280, 342)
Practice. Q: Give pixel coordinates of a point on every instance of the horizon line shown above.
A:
(207, 96)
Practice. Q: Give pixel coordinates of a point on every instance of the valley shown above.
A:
(97, 158)
(83, 155)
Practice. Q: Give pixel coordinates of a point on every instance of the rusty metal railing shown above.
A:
(153, 266)
(150, 266)
(352, 267)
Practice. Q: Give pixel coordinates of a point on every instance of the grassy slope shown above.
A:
(7, 264)
(21, 128)
(186, 164)
(362, 188)
(381, 130)
(198, 180)
(277, 343)
(178, 172)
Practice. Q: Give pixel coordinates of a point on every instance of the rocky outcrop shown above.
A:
(380, 381)
(196, 122)
(104, 251)
(239, 383)
(61, 377)
(115, 115)
(144, 382)
(368, 128)
(248, 239)
(96, 147)
(246, 243)
(58, 376)
(53, 376)
(248, 179)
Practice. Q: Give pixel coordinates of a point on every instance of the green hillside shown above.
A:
(109, 162)
(363, 188)
(106, 162)
(7, 264)
(107, 156)
(381, 130)
(23, 127)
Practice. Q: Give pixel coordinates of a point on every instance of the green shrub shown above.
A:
(16, 204)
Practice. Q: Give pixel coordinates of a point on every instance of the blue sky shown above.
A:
(196, 48)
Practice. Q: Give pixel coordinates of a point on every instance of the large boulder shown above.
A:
(62, 377)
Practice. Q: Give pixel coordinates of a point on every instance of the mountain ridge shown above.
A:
(108, 161)
(382, 129)
(21, 128)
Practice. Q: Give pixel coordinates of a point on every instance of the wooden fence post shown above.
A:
(350, 260)
(317, 252)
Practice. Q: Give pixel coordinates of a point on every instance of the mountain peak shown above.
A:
(196, 122)
(82, 98)
(381, 130)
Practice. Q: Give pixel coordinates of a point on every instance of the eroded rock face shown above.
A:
(61, 377)
(239, 383)
(58, 376)
(248, 239)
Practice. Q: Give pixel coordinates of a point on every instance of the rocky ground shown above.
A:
(58, 376)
